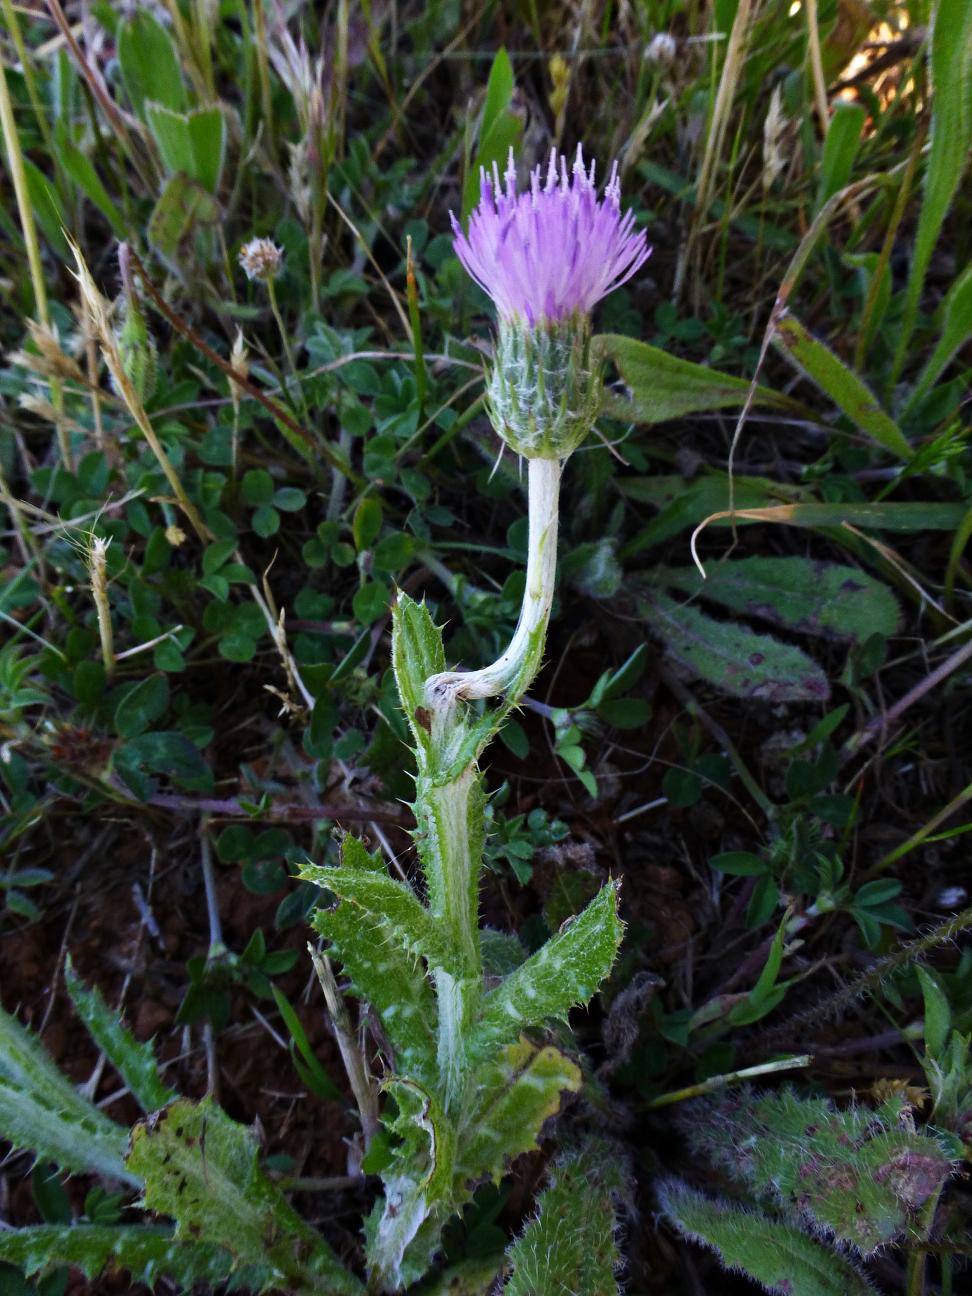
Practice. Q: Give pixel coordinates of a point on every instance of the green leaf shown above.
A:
(148, 1254)
(182, 205)
(370, 602)
(514, 1097)
(950, 67)
(42, 1112)
(256, 488)
(566, 971)
(323, 1085)
(149, 64)
(266, 522)
(366, 523)
(514, 738)
(47, 207)
(739, 864)
(938, 1016)
(201, 1169)
(90, 681)
(392, 906)
(417, 653)
(840, 148)
(841, 384)
(733, 658)
(207, 134)
(616, 683)
(167, 753)
(289, 499)
(386, 976)
(887, 515)
(683, 504)
(471, 1277)
(571, 1243)
(170, 130)
(144, 703)
(664, 387)
(134, 1062)
(799, 594)
(418, 1182)
(81, 170)
(765, 994)
(499, 129)
(860, 1175)
(777, 1256)
(956, 311)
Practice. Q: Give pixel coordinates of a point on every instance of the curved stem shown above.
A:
(515, 668)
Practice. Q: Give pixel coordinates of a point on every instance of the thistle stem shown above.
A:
(450, 813)
(515, 668)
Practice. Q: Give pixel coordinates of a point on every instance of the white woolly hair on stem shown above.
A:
(449, 687)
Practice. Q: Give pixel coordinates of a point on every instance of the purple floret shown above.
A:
(553, 250)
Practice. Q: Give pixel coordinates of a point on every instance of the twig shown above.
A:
(362, 1084)
(880, 724)
(730, 1077)
(232, 808)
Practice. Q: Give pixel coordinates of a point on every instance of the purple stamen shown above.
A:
(555, 249)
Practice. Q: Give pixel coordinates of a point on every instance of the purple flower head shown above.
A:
(554, 250)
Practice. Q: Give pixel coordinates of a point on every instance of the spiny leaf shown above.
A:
(134, 1062)
(392, 906)
(417, 1185)
(392, 981)
(777, 1256)
(41, 1111)
(733, 658)
(800, 594)
(148, 1254)
(417, 653)
(565, 971)
(513, 1099)
(570, 1246)
(383, 972)
(201, 1169)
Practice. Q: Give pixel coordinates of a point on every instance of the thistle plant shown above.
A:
(470, 1089)
(468, 1080)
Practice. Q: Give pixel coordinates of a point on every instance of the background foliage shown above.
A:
(195, 681)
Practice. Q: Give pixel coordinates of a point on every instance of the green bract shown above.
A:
(545, 386)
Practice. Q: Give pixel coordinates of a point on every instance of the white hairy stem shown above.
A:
(443, 691)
